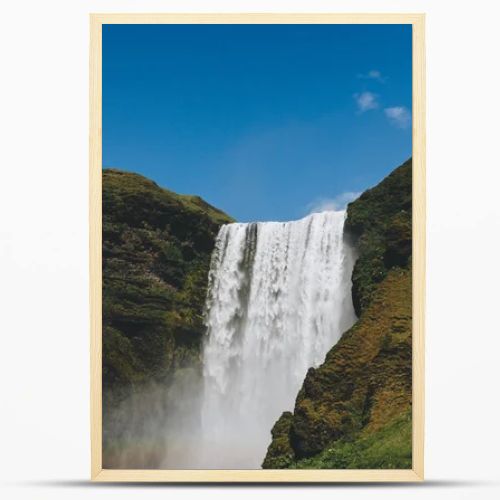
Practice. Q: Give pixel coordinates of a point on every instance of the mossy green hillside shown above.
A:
(386, 448)
(156, 257)
(379, 224)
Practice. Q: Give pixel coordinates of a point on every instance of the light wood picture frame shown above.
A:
(98, 473)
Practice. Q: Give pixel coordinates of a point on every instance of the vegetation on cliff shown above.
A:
(379, 225)
(156, 256)
(354, 410)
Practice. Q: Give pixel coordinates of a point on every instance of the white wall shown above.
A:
(44, 444)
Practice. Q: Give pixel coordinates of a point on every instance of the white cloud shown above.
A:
(366, 101)
(339, 202)
(398, 116)
(373, 74)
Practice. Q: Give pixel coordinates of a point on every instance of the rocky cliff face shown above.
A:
(354, 410)
(156, 257)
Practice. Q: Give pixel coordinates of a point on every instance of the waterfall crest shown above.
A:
(279, 298)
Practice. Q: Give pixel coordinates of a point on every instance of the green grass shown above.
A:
(388, 448)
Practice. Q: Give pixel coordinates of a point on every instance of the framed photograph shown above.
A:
(257, 247)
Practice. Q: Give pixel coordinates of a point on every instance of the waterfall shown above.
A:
(279, 297)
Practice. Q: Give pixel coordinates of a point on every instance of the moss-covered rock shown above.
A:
(387, 448)
(351, 410)
(280, 454)
(379, 225)
(156, 256)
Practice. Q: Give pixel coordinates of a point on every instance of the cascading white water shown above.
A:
(279, 298)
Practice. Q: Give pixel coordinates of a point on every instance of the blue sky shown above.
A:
(266, 122)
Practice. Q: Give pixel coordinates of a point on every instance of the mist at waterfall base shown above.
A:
(279, 297)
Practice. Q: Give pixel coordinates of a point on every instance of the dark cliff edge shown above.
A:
(156, 257)
(354, 410)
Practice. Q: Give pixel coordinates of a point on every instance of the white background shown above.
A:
(44, 363)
